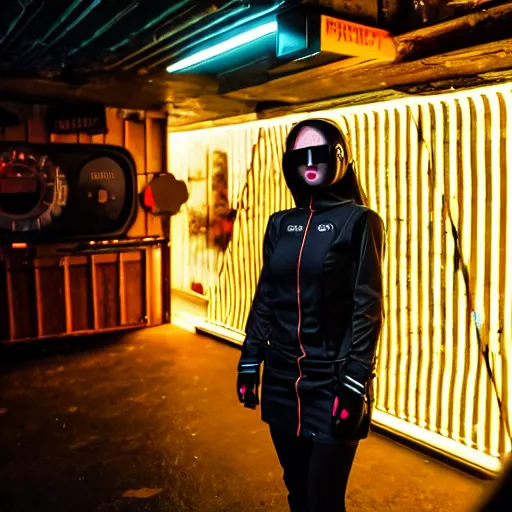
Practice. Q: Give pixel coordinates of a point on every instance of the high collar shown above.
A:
(320, 201)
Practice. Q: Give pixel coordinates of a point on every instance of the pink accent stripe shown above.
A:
(335, 406)
(299, 326)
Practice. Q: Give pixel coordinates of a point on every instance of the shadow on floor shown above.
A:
(154, 413)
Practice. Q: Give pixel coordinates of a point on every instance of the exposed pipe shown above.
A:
(188, 35)
(106, 26)
(179, 28)
(211, 36)
(68, 29)
(51, 30)
(11, 30)
(169, 34)
(15, 21)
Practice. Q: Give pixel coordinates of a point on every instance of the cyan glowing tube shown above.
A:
(225, 46)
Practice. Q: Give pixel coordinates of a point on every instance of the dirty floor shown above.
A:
(149, 421)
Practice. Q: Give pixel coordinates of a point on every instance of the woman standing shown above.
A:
(315, 320)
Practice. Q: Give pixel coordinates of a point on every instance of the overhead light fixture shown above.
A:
(225, 46)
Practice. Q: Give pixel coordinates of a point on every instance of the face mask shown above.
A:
(312, 164)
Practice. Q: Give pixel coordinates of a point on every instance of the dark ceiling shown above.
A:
(114, 51)
(77, 38)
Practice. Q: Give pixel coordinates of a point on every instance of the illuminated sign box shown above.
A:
(304, 33)
(355, 40)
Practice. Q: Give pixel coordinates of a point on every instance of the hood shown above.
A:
(345, 190)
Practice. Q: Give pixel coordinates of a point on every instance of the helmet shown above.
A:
(317, 154)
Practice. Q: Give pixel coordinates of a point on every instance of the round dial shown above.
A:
(32, 191)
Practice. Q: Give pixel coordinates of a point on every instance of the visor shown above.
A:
(309, 156)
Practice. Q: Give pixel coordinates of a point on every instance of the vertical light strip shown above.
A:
(450, 179)
(383, 168)
(466, 328)
(479, 250)
(506, 244)
(236, 303)
(459, 304)
(372, 159)
(402, 288)
(362, 167)
(437, 219)
(382, 171)
(414, 249)
(349, 121)
(251, 254)
(393, 267)
(274, 157)
(501, 371)
(486, 386)
(287, 194)
(426, 163)
(495, 301)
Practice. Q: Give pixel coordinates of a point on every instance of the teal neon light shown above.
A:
(225, 46)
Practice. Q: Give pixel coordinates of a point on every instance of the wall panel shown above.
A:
(107, 292)
(50, 296)
(21, 294)
(55, 296)
(80, 297)
(438, 171)
(135, 293)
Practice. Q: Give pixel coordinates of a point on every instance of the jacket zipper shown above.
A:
(299, 326)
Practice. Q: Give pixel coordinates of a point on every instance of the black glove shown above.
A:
(350, 406)
(248, 384)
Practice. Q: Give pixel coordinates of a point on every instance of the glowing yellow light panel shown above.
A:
(422, 162)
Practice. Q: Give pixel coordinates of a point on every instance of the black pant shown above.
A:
(315, 474)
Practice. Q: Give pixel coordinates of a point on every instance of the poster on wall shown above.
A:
(235, 183)
(210, 219)
(224, 220)
(221, 215)
(197, 225)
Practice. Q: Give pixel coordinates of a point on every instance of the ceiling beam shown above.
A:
(440, 52)
(187, 99)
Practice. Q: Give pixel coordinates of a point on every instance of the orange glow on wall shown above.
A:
(421, 162)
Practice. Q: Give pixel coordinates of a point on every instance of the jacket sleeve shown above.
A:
(260, 321)
(368, 301)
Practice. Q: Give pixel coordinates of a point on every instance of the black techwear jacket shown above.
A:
(318, 305)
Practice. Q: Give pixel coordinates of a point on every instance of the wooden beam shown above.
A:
(473, 29)
(185, 98)
(464, 46)
(333, 80)
(472, 46)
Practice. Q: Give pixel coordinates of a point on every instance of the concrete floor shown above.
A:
(83, 423)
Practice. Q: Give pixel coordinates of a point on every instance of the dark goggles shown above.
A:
(309, 156)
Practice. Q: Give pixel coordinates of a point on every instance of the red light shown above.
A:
(148, 198)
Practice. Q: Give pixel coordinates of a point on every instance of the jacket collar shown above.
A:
(321, 201)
